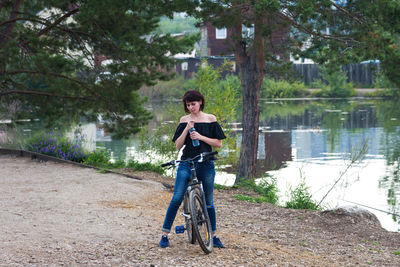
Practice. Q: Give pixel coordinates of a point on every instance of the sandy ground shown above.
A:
(55, 214)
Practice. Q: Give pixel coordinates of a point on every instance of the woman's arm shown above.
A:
(180, 141)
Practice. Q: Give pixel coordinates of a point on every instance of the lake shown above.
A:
(301, 140)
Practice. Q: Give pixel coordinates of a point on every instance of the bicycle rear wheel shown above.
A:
(201, 221)
(188, 220)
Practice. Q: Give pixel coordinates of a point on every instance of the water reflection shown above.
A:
(323, 136)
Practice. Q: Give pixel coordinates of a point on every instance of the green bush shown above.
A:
(381, 81)
(222, 97)
(98, 158)
(282, 89)
(300, 198)
(386, 88)
(386, 93)
(333, 84)
(159, 141)
(102, 159)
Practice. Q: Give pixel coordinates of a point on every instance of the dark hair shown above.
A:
(193, 95)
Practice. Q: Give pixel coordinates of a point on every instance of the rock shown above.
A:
(355, 213)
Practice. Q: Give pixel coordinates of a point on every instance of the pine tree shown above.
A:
(47, 58)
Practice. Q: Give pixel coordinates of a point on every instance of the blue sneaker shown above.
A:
(217, 242)
(164, 242)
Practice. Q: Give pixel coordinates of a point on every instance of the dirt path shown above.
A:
(58, 214)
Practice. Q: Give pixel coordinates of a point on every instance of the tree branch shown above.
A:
(314, 33)
(54, 24)
(15, 72)
(28, 92)
(16, 19)
(346, 12)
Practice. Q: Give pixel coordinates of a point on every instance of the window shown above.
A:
(233, 66)
(247, 32)
(220, 33)
(184, 66)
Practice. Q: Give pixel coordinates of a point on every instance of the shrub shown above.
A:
(98, 158)
(300, 198)
(282, 89)
(381, 81)
(222, 100)
(159, 141)
(334, 84)
(54, 144)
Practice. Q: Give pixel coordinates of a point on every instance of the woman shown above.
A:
(210, 134)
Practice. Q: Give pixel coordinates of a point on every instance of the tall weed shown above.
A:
(300, 198)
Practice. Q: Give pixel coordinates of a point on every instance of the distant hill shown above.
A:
(179, 24)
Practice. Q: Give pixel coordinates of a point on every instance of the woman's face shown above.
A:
(193, 107)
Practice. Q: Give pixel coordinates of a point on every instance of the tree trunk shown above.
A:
(251, 66)
(5, 34)
(250, 120)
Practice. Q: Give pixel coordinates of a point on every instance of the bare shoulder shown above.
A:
(211, 118)
(184, 119)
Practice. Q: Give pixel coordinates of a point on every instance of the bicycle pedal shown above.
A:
(185, 215)
(179, 229)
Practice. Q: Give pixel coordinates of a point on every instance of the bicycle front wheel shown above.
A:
(201, 221)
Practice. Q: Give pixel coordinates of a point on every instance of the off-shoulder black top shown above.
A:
(208, 129)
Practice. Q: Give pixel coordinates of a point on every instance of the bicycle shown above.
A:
(197, 221)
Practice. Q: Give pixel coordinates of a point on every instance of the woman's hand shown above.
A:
(195, 135)
(211, 141)
(190, 124)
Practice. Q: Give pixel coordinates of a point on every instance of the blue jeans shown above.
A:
(205, 172)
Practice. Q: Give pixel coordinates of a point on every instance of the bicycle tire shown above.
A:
(188, 221)
(201, 221)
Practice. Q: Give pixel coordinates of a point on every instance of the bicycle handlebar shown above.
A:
(203, 157)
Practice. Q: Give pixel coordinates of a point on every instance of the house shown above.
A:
(216, 46)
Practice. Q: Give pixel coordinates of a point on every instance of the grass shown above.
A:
(266, 189)
(300, 198)
(259, 199)
(220, 187)
(146, 166)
